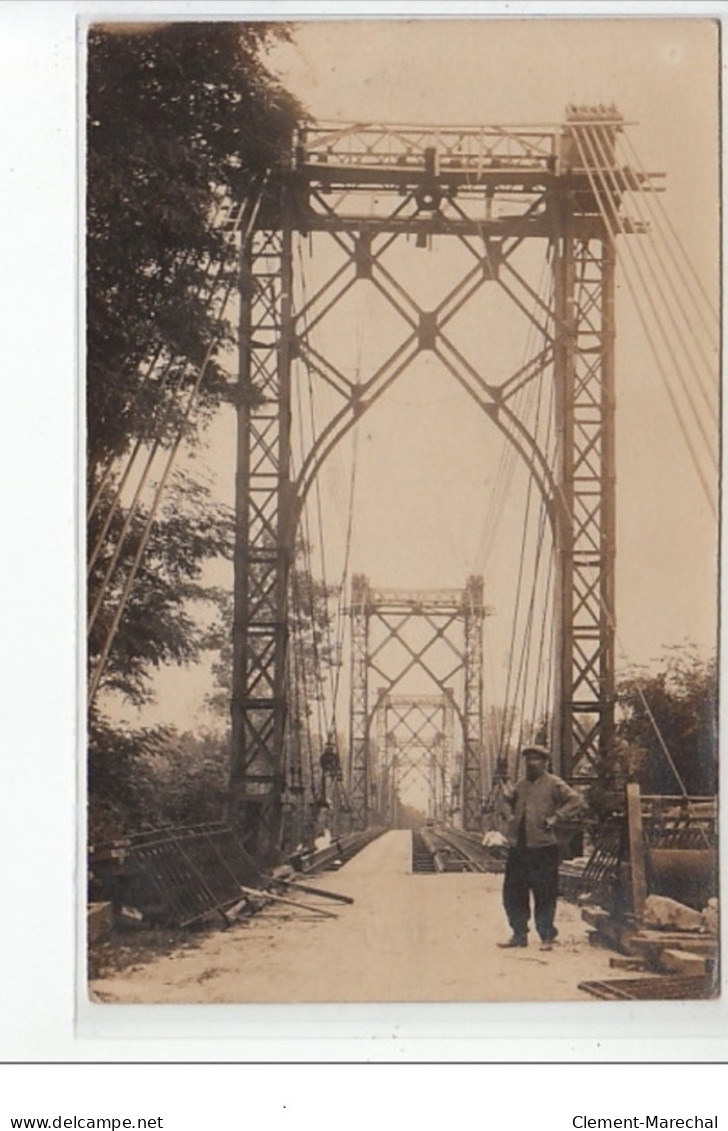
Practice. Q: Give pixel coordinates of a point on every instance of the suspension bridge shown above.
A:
(540, 224)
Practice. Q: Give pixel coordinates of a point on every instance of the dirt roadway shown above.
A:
(426, 938)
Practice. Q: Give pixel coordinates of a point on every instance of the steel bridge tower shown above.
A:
(448, 620)
(363, 190)
(415, 732)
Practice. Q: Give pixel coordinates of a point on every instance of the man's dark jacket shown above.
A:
(548, 796)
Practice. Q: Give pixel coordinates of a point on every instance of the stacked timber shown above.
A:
(671, 938)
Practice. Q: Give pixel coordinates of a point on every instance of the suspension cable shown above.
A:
(609, 615)
(597, 154)
(525, 660)
(340, 622)
(676, 241)
(308, 572)
(212, 273)
(114, 559)
(664, 278)
(173, 451)
(525, 664)
(600, 145)
(309, 593)
(506, 726)
(335, 638)
(508, 719)
(340, 619)
(303, 712)
(508, 457)
(606, 611)
(138, 447)
(530, 402)
(99, 670)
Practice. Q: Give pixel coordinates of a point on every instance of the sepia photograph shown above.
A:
(400, 373)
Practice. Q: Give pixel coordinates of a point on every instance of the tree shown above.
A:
(186, 779)
(409, 816)
(679, 701)
(158, 776)
(163, 618)
(181, 117)
(183, 120)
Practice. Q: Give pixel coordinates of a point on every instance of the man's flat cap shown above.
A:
(535, 751)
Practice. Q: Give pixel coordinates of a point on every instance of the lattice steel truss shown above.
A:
(584, 374)
(359, 762)
(263, 543)
(363, 191)
(447, 653)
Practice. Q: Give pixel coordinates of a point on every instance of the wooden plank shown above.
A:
(690, 943)
(624, 962)
(99, 920)
(636, 850)
(594, 916)
(618, 935)
(233, 912)
(667, 933)
(683, 962)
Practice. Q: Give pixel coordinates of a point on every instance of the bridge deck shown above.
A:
(427, 938)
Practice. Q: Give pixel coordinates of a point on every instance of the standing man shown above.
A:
(538, 803)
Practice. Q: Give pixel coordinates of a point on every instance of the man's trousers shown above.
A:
(532, 870)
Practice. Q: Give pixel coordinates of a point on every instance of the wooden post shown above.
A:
(636, 851)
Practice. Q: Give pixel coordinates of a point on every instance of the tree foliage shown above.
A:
(680, 701)
(182, 118)
(157, 776)
(163, 619)
(179, 116)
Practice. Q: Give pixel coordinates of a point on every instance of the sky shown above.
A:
(427, 461)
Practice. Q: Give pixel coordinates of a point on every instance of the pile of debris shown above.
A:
(671, 938)
(185, 876)
(649, 890)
